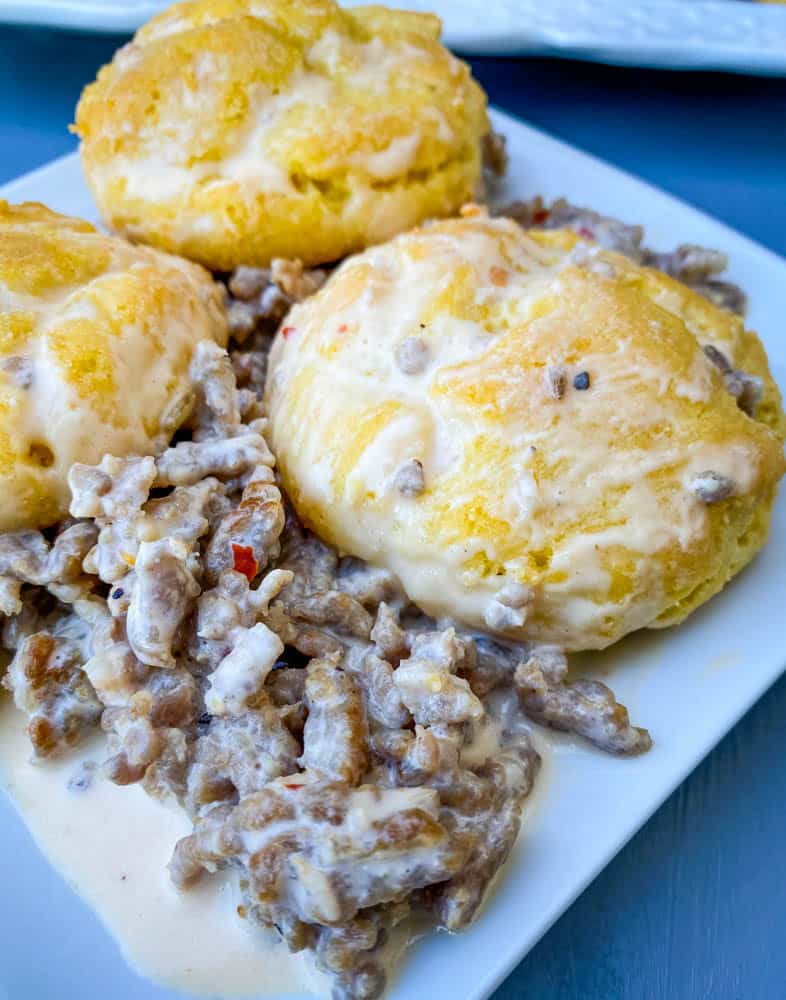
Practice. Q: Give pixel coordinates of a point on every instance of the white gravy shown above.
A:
(192, 941)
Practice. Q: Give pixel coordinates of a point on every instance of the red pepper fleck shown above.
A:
(499, 276)
(293, 788)
(541, 215)
(244, 561)
(343, 328)
(586, 233)
(286, 331)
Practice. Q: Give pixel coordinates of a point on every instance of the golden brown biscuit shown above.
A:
(96, 337)
(527, 430)
(235, 131)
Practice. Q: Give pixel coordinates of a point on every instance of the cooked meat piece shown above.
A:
(334, 738)
(587, 708)
(50, 687)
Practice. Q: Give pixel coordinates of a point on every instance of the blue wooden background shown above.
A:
(694, 908)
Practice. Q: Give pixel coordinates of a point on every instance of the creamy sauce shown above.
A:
(192, 941)
(485, 743)
(395, 159)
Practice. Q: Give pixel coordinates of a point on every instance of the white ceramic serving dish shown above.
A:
(736, 35)
(687, 685)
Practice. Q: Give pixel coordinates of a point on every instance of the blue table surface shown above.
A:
(694, 908)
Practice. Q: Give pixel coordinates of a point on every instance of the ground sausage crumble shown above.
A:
(354, 761)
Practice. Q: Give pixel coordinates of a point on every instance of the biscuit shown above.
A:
(538, 436)
(236, 131)
(96, 337)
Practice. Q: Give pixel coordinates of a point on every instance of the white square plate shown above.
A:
(687, 685)
(745, 37)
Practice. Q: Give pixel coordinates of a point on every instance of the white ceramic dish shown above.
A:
(744, 37)
(688, 685)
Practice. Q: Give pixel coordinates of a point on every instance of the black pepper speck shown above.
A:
(581, 381)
